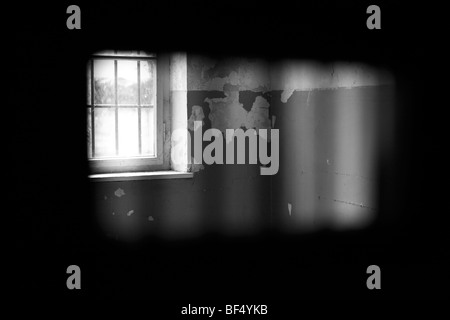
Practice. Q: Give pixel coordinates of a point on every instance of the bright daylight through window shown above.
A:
(122, 106)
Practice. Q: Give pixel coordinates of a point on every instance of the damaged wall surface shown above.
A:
(329, 119)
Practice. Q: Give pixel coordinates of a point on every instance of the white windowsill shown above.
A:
(130, 176)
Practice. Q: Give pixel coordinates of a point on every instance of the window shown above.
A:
(125, 121)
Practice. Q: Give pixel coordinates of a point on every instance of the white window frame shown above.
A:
(140, 164)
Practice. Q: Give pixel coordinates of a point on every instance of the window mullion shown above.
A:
(92, 110)
(116, 109)
(139, 106)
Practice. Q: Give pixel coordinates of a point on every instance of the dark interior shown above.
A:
(57, 209)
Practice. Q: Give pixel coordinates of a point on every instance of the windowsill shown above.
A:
(130, 176)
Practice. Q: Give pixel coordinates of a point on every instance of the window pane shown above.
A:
(104, 132)
(148, 131)
(148, 83)
(127, 82)
(128, 132)
(89, 132)
(104, 82)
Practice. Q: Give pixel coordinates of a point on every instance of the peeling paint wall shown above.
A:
(331, 119)
(207, 74)
(235, 201)
(231, 78)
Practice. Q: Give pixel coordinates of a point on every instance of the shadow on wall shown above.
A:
(335, 122)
